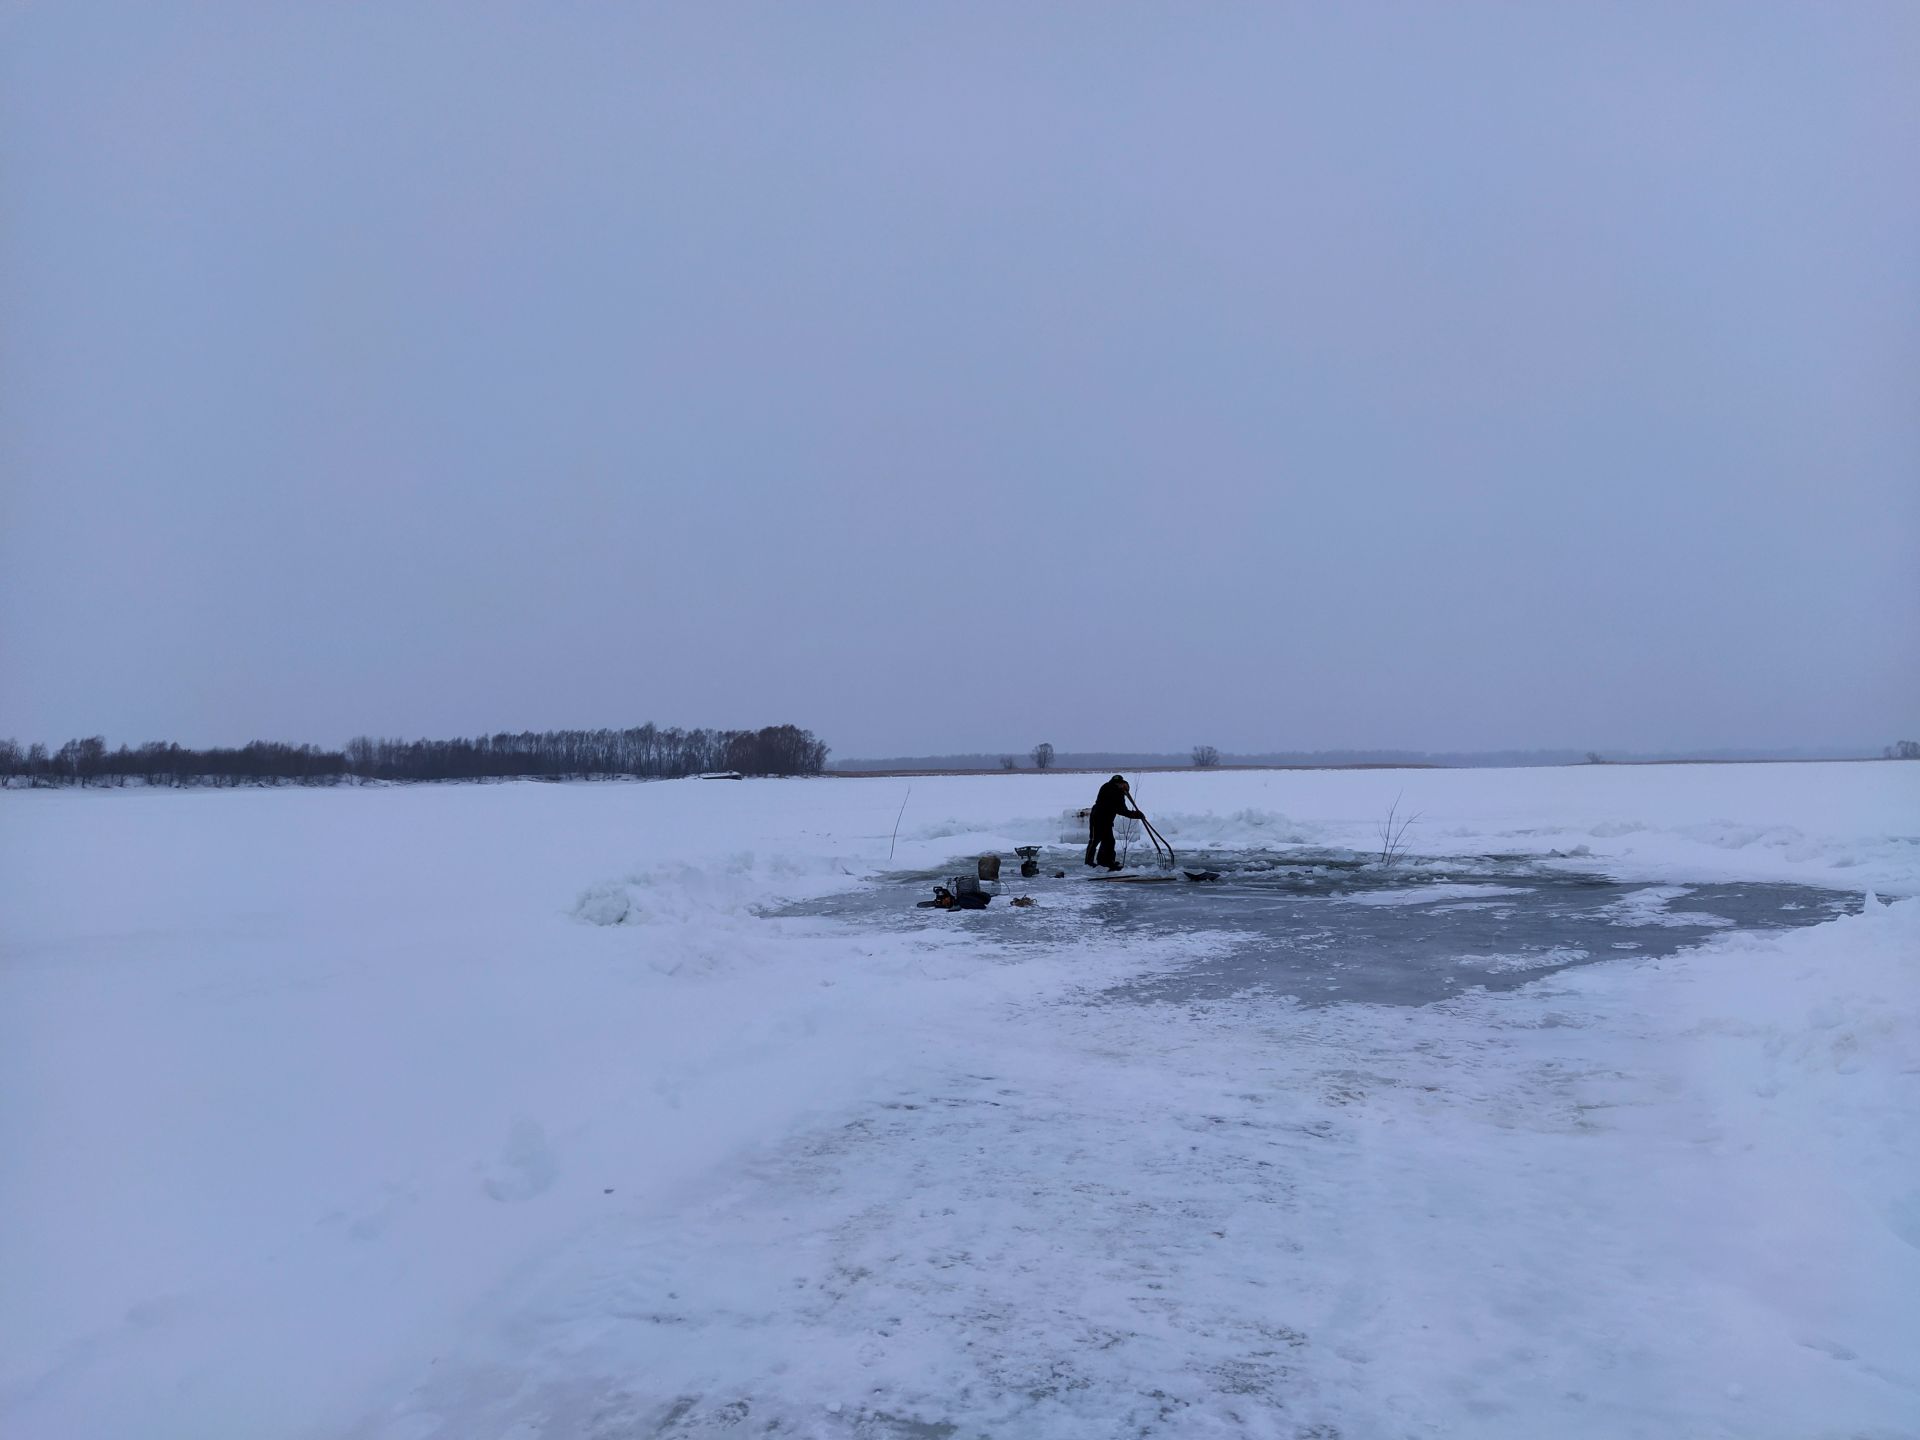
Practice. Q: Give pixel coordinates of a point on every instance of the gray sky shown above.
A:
(957, 377)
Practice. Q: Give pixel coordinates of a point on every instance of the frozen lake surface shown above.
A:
(621, 1111)
(1319, 926)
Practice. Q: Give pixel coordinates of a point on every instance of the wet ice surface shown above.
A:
(1328, 926)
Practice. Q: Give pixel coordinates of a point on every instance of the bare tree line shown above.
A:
(645, 751)
(89, 762)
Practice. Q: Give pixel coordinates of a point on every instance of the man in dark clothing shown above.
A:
(1112, 802)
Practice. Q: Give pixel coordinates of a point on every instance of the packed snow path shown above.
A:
(505, 1111)
(1094, 1220)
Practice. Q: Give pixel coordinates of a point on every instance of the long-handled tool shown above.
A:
(1159, 840)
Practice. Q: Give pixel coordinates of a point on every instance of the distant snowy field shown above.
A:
(462, 1112)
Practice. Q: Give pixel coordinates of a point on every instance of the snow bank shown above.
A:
(1851, 825)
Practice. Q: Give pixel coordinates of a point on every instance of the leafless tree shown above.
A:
(1205, 757)
(1393, 834)
(1904, 750)
(1007, 762)
(81, 760)
(1043, 756)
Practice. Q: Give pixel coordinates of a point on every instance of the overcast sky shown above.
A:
(959, 377)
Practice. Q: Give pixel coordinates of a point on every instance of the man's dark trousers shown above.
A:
(1100, 840)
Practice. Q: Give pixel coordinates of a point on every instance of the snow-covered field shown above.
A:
(452, 1113)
